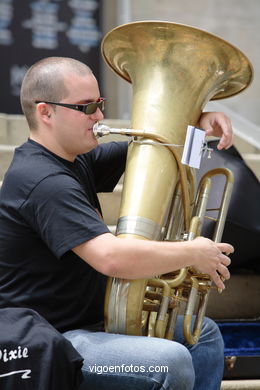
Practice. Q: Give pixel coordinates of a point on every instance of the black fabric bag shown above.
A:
(34, 355)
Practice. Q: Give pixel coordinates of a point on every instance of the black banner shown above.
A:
(31, 30)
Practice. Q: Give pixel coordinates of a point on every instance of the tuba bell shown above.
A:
(174, 70)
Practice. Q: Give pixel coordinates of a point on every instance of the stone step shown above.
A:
(110, 204)
(6, 155)
(13, 129)
(247, 384)
(253, 161)
(234, 302)
(243, 146)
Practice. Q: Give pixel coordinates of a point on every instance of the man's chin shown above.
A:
(90, 146)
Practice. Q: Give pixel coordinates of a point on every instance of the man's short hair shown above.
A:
(45, 81)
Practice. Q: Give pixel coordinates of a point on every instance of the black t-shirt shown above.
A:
(47, 207)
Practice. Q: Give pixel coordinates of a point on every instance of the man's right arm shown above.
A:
(134, 258)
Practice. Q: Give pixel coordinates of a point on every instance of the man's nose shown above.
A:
(97, 115)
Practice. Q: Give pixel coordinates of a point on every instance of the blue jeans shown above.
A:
(120, 362)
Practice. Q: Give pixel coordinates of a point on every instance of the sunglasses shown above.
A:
(88, 109)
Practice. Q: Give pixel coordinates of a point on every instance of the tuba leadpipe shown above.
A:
(174, 70)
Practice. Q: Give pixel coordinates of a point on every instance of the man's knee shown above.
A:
(211, 334)
(176, 366)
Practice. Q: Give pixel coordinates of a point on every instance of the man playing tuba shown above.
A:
(56, 252)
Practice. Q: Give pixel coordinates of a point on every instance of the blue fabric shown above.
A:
(132, 357)
(241, 339)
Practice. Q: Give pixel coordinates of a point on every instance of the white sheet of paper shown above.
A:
(192, 151)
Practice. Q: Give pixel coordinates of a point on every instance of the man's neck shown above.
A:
(52, 147)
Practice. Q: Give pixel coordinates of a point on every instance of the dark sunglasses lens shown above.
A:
(92, 107)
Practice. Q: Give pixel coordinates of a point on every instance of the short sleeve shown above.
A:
(60, 213)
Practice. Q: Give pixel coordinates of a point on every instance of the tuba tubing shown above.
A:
(201, 291)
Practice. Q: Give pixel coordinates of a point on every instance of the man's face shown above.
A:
(72, 129)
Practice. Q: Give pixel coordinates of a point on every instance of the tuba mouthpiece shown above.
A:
(100, 130)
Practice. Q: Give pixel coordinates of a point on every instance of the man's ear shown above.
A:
(43, 111)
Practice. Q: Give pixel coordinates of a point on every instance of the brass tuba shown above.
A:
(174, 70)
